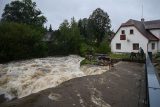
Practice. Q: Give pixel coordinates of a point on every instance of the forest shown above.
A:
(22, 31)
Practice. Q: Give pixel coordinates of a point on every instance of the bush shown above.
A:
(157, 57)
(104, 48)
(20, 41)
(83, 49)
(86, 49)
(84, 62)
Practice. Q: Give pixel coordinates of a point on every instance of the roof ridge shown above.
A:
(135, 20)
(152, 20)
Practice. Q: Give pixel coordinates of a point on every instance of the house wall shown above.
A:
(127, 45)
(150, 47)
(156, 32)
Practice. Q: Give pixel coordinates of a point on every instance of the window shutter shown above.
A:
(122, 37)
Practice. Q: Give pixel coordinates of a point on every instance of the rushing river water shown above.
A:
(19, 79)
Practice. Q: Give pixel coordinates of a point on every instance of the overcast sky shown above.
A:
(118, 10)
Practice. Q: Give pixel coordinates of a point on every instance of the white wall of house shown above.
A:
(127, 45)
(153, 50)
(156, 32)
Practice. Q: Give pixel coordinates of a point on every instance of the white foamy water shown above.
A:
(19, 79)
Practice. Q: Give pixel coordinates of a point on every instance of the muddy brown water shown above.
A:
(122, 86)
(22, 78)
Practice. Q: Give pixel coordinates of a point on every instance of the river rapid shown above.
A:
(22, 78)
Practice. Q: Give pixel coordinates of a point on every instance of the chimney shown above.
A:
(142, 20)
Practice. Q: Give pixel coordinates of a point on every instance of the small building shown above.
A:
(134, 34)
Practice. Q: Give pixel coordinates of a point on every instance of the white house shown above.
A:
(135, 34)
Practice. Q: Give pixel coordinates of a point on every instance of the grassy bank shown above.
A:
(119, 56)
(113, 56)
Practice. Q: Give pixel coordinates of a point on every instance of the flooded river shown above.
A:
(22, 78)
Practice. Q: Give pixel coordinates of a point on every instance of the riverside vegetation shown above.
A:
(22, 30)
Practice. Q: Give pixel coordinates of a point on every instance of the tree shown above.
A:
(20, 41)
(64, 31)
(23, 12)
(70, 36)
(75, 36)
(63, 38)
(99, 24)
(50, 28)
(67, 40)
(83, 27)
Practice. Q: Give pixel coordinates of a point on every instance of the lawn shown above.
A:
(111, 55)
(119, 56)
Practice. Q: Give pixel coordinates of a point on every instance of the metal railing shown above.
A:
(153, 84)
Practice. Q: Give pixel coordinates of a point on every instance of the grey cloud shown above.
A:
(119, 10)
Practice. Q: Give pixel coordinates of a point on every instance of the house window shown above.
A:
(123, 32)
(122, 37)
(131, 31)
(118, 46)
(153, 46)
(136, 46)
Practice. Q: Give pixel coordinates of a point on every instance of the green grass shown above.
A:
(119, 56)
(111, 55)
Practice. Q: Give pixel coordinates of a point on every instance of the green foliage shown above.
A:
(64, 37)
(95, 32)
(74, 37)
(67, 39)
(84, 48)
(157, 57)
(20, 41)
(83, 27)
(104, 48)
(84, 62)
(50, 28)
(23, 12)
(21, 33)
(99, 24)
(79, 37)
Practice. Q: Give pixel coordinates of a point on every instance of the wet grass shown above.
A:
(113, 56)
(119, 56)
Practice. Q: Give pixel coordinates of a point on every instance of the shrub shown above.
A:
(86, 49)
(83, 49)
(104, 48)
(20, 41)
(85, 61)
